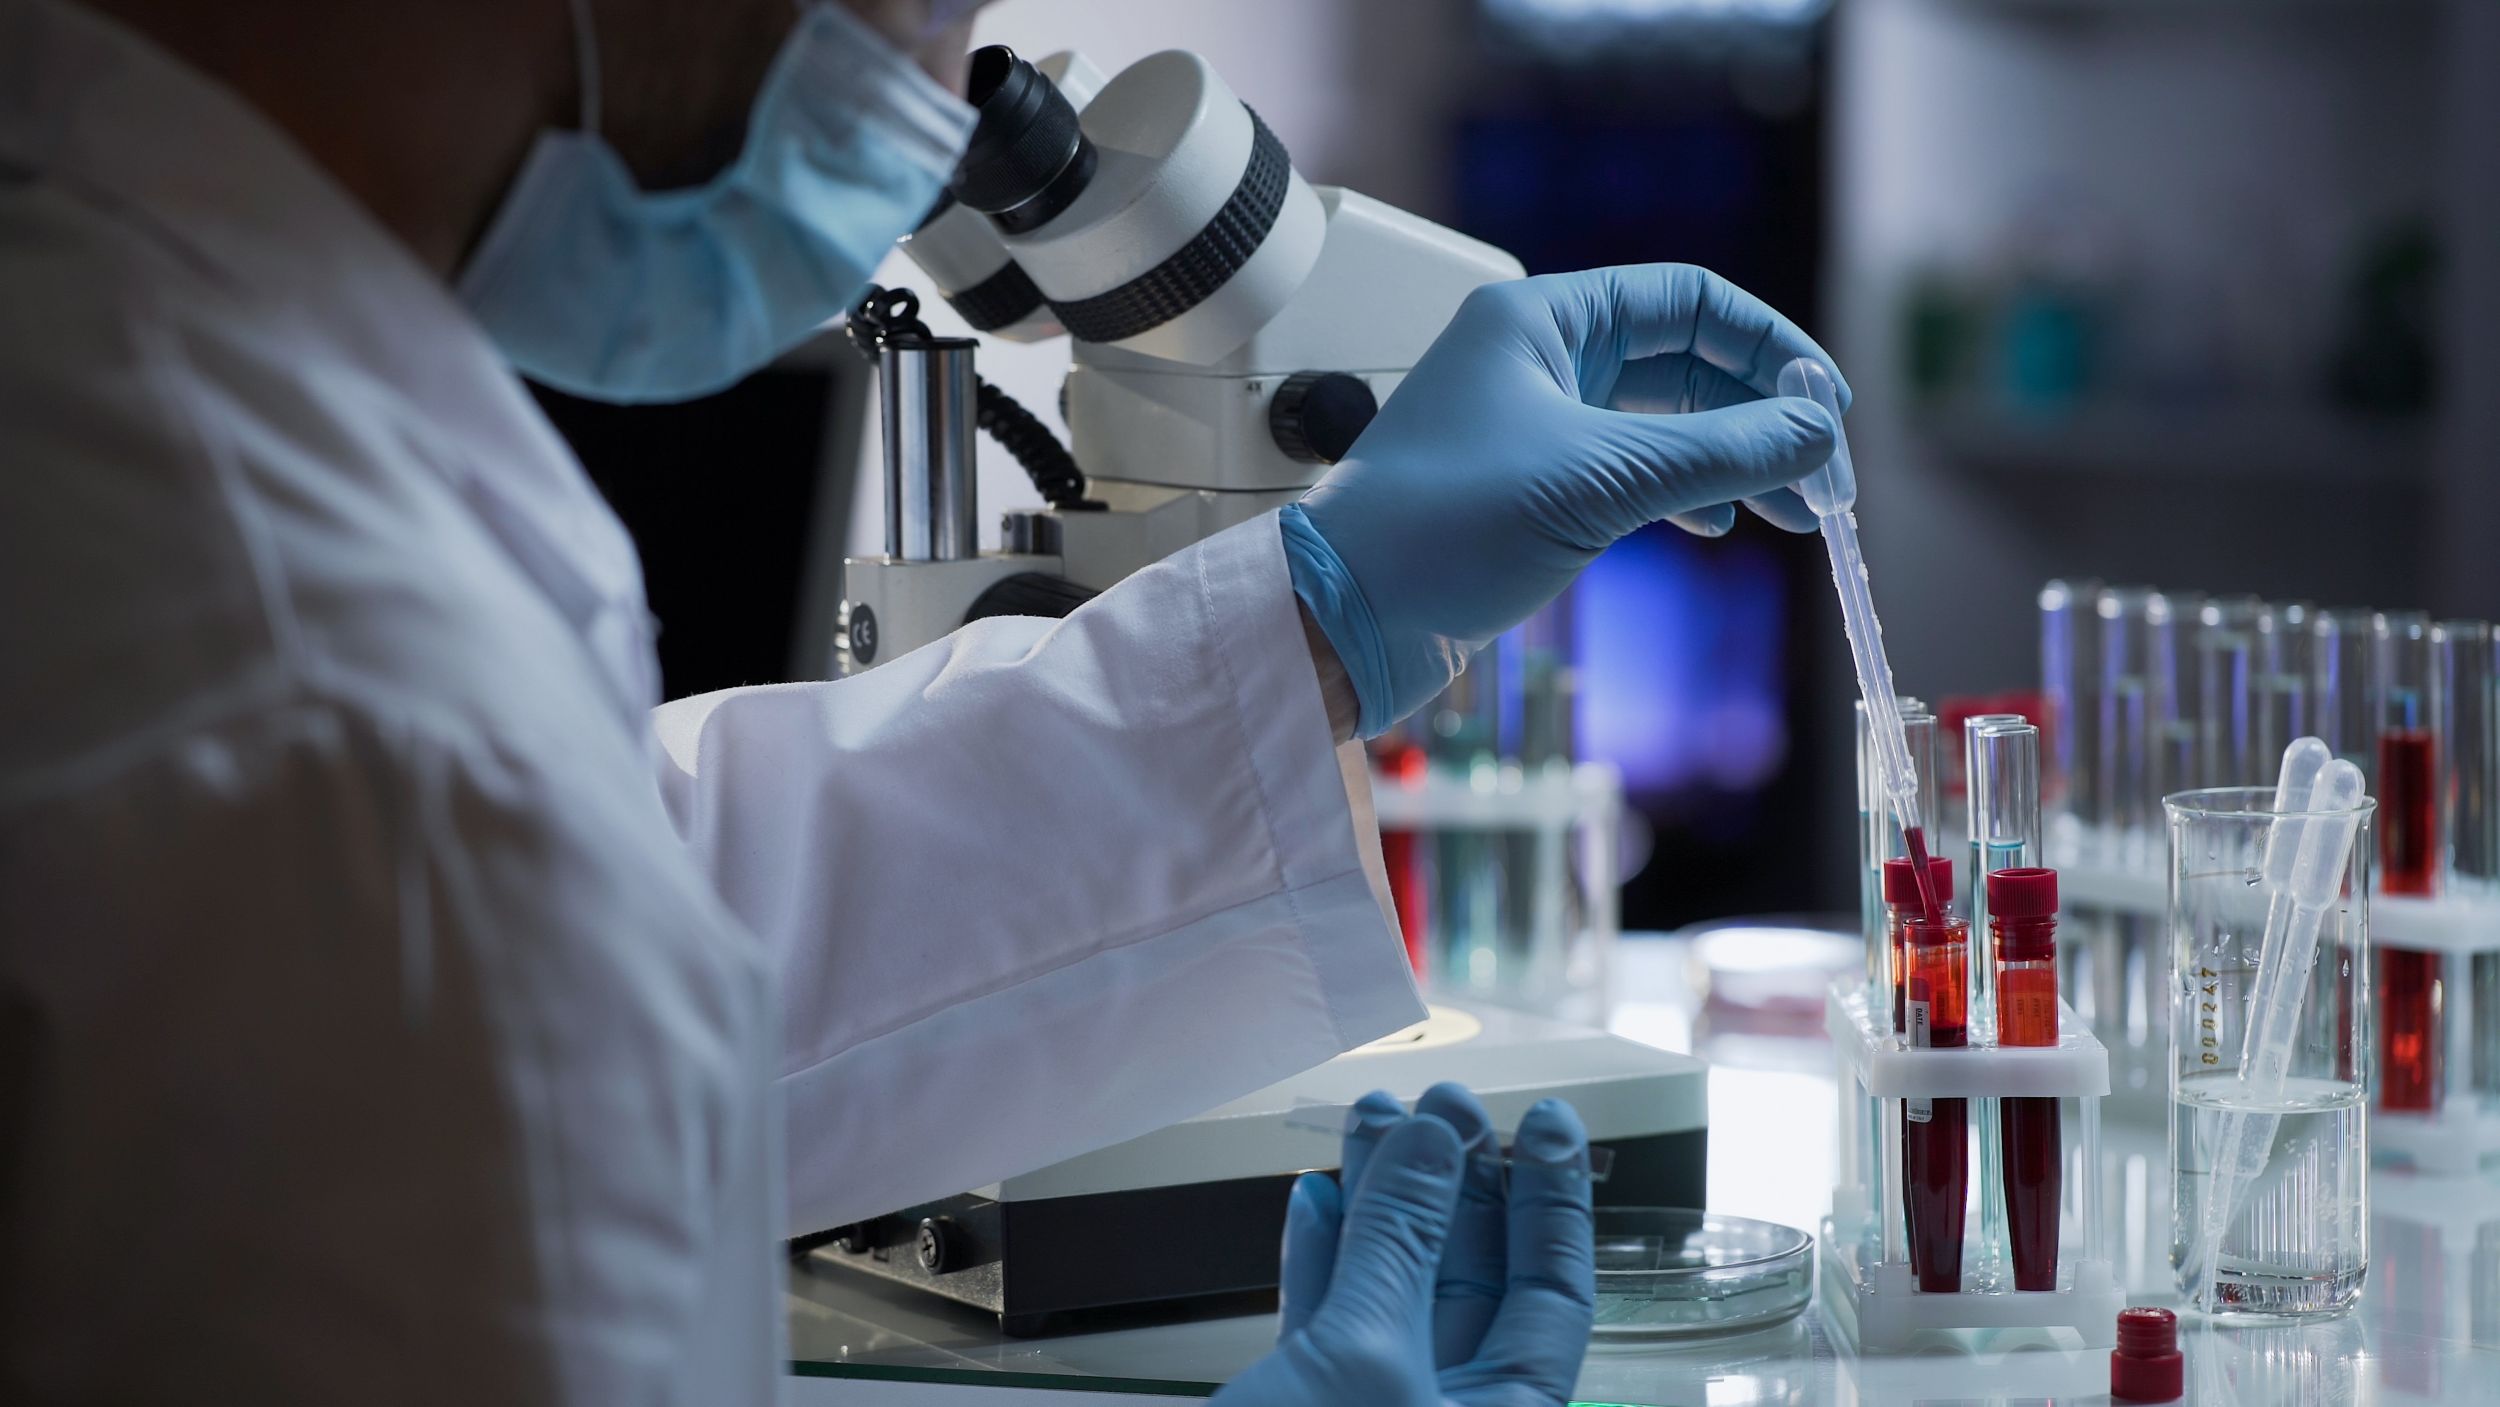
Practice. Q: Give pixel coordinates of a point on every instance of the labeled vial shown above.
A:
(2022, 917)
(1902, 907)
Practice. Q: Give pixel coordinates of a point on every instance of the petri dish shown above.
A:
(1671, 1272)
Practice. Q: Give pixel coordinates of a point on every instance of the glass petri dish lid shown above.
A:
(1671, 1272)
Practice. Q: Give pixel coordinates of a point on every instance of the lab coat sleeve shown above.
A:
(1043, 885)
(344, 1062)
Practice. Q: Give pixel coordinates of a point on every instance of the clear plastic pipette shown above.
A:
(2307, 846)
(1831, 492)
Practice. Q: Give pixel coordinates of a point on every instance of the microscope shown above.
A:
(1233, 330)
(1232, 327)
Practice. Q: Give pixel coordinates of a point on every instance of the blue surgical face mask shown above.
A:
(597, 287)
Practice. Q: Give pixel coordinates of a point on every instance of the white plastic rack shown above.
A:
(1866, 1282)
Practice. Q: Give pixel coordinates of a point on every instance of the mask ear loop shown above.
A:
(586, 65)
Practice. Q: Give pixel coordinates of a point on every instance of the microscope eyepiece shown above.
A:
(1028, 158)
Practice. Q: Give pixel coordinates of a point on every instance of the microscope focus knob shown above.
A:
(1316, 416)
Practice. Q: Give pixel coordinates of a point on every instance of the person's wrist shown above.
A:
(1334, 607)
(1336, 690)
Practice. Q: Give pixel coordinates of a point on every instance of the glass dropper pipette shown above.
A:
(1831, 492)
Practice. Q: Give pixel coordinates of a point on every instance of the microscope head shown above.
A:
(1167, 220)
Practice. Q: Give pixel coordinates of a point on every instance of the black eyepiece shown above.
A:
(1028, 158)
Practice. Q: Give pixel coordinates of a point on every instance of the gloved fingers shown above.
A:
(1314, 1215)
(1784, 509)
(1677, 383)
(1609, 317)
(1374, 1115)
(1550, 1292)
(1713, 521)
(1397, 1220)
(1684, 462)
(1468, 1288)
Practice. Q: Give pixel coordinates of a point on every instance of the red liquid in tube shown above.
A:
(1901, 909)
(2022, 917)
(2408, 857)
(1936, 1132)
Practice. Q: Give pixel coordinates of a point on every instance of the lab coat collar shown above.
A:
(90, 105)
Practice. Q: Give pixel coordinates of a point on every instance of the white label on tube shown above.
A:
(1918, 1111)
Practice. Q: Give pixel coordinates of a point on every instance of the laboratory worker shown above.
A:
(397, 1007)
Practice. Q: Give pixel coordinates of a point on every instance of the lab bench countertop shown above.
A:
(2427, 1329)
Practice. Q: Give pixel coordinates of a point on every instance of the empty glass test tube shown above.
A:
(1881, 829)
(2341, 690)
(2069, 689)
(2465, 717)
(2005, 803)
(2138, 712)
(1960, 753)
(2179, 736)
(2231, 639)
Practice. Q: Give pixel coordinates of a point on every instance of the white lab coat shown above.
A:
(372, 1027)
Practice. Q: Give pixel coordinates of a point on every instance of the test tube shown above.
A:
(2069, 685)
(2465, 717)
(1879, 837)
(1963, 756)
(2004, 773)
(2179, 734)
(2138, 708)
(1936, 1132)
(2287, 644)
(2023, 939)
(2004, 804)
(2279, 689)
(2407, 999)
(2231, 633)
(2340, 687)
(2407, 752)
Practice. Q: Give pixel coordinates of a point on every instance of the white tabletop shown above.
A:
(2427, 1331)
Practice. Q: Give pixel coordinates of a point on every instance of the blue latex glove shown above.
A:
(1430, 1281)
(1553, 416)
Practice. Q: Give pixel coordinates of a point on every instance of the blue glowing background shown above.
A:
(1681, 647)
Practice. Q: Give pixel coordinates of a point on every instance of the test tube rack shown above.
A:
(1866, 1283)
(2463, 1134)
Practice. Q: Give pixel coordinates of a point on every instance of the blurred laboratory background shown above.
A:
(2127, 290)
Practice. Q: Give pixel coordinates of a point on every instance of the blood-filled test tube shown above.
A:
(1901, 905)
(2408, 858)
(1935, 1145)
(2022, 912)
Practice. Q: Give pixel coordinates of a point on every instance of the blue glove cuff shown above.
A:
(1329, 592)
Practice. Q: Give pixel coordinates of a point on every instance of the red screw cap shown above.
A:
(2146, 1366)
(2023, 894)
(1901, 881)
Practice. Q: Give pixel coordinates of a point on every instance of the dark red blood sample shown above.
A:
(1936, 1132)
(2022, 910)
(2408, 855)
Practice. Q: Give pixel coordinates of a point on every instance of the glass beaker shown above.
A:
(2298, 1241)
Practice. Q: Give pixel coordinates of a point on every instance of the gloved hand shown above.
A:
(1553, 416)
(1426, 1281)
